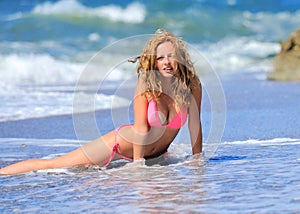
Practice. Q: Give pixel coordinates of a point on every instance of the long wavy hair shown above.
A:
(184, 79)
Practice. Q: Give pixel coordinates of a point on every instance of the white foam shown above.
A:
(34, 104)
(94, 37)
(268, 142)
(236, 54)
(133, 13)
(42, 69)
(271, 25)
(37, 69)
(42, 142)
(38, 85)
(59, 7)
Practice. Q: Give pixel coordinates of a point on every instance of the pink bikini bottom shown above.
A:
(116, 149)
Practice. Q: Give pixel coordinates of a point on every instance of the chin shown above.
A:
(166, 74)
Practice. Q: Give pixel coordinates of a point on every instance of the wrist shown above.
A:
(139, 160)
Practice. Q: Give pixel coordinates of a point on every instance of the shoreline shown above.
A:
(260, 109)
(256, 109)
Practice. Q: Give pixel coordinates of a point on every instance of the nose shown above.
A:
(166, 60)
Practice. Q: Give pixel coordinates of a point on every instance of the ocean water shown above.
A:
(70, 56)
(46, 45)
(238, 179)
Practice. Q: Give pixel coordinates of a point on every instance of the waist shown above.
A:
(157, 154)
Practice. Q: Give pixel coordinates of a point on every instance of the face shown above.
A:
(165, 58)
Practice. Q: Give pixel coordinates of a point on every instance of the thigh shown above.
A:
(99, 151)
(96, 152)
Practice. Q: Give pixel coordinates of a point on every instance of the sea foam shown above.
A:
(134, 12)
(37, 69)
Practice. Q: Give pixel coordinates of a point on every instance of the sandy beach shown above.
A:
(260, 109)
(255, 109)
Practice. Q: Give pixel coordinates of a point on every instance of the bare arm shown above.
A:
(194, 124)
(141, 126)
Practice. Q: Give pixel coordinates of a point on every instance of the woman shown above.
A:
(168, 92)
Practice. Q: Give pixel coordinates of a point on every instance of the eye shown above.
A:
(170, 55)
(160, 58)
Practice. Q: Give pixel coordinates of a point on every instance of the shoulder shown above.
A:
(196, 95)
(196, 88)
(141, 91)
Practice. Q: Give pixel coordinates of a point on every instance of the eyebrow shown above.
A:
(169, 54)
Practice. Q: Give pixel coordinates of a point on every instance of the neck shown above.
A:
(166, 84)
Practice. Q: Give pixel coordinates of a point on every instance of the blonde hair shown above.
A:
(184, 78)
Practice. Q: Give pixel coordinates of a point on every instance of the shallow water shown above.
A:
(243, 176)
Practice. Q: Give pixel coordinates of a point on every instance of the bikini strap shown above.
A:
(116, 149)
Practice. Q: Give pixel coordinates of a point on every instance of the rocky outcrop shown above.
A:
(287, 62)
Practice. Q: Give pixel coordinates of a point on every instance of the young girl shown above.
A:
(167, 93)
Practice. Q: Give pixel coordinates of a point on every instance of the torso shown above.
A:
(163, 138)
(162, 135)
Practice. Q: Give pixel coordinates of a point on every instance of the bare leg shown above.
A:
(96, 152)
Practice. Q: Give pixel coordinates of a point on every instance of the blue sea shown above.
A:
(45, 45)
(62, 60)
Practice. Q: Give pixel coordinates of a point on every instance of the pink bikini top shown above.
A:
(153, 118)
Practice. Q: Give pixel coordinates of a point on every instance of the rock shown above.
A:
(287, 62)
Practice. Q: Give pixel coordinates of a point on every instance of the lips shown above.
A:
(168, 69)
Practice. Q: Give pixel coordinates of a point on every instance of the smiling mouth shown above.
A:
(168, 70)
